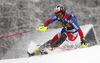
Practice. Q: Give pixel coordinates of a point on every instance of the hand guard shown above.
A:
(43, 28)
(83, 43)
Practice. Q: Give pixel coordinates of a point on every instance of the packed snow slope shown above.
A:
(40, 38)
(80, 55)
(84, 55)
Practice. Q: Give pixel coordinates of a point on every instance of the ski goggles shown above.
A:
(58, 14)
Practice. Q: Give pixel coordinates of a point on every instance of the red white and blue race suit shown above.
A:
(69, 27)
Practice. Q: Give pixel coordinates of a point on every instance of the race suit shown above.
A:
(69, 27)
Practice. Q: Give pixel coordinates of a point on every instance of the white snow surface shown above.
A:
(84, 55)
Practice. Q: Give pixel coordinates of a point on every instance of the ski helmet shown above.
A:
(59, 8)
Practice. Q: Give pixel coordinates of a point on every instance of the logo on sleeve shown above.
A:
(75, 26)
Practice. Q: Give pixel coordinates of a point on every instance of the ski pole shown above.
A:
(19, 33)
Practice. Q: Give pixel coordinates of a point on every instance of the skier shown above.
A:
(69, 32)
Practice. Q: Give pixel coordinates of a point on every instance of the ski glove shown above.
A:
(83, 43)
(43, 28)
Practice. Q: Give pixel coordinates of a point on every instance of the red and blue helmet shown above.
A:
(59, 8)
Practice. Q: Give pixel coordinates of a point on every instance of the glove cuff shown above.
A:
(45, 25)
(82, 39)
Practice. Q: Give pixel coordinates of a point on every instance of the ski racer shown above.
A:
(69, 32)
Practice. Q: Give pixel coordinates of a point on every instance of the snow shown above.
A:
(84, 55)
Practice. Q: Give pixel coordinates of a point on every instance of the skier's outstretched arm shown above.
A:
(46, 23)
(54, 18)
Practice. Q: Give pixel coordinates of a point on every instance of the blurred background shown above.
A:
(22, 15)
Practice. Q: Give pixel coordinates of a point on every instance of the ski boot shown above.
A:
(43, 52)
(30, 54)
(36, 52)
